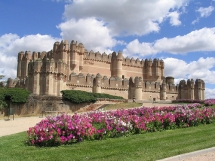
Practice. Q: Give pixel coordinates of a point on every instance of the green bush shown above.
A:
(104, 95)
(76, 96)
(14, 95)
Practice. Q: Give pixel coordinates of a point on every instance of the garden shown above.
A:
(122, 134)
(98, 125)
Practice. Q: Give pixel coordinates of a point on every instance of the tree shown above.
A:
(2, 82)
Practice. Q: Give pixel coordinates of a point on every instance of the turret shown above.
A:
(64, 48)
(138, 88)
(74, 55)
(162, 68)
(35, 55)
(156, 64)
(37, 65)
(19, 64)
(55, 47)
(199, 89)
(170, 80)
(24, 64)
(97, 84)
(118, 69)
(81, 56)
(192, 95)
(163, 90)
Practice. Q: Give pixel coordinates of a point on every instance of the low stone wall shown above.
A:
(36, 104)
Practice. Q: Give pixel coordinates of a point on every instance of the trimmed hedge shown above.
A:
(14, 95)
(76, 96)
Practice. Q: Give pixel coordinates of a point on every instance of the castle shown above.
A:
(70, 66)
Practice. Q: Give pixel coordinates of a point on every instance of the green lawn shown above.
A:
(213, 106)
(148, 146)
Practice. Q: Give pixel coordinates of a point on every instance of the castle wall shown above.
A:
(70, 66)
(94, 67)
(151, 96)
(129, 71)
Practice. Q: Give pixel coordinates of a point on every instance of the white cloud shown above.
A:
(198, 40)
(91, 32)
(174, 18)
(195, 21)
(126, 17)
(143, 49)
(209, 93)
(202, 69)
(205, 12)
(11, 44)
(195, 41)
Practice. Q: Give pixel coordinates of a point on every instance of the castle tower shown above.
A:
(156, 64)
(118, 68)
(97, 84)
(199, 89)
(56, 47)
(163, 90)
(24, 67)
(138, 88)
(48, 77)
(81, 56)
(64, 49)
(19, 64)
(148, 69)
(162, 68)
(76, 56)
(36, 77)
(35, 56)
(192, 94)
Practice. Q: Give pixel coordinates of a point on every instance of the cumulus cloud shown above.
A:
(143, 49)
(209, 93)
(11, 44)
(205, 12)
(91, 32)
(174, 18)
(195, 41)
(202, 69)
(198, 40)
(127, 17)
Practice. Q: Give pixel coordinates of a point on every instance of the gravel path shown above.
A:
(10, 126)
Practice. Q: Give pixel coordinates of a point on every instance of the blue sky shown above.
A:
(181, 32)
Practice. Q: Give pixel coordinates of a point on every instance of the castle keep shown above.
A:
(72, 67)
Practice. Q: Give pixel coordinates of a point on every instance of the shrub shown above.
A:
(76, 96)
(14, 95)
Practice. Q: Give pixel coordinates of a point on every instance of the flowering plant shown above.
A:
(65, 129)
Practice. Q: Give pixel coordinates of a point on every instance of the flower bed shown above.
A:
(66, 129)
(209, 102)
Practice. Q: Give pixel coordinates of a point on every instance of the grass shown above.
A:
(148, 146)
(122, 105)
(213, 106)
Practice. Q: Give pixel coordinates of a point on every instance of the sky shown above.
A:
(181, 32)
